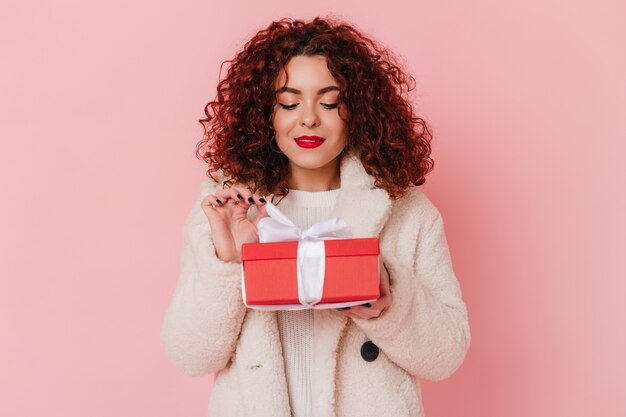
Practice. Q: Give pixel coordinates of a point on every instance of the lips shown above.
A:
(309, 141)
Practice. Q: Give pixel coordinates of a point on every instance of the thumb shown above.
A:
(262, 212)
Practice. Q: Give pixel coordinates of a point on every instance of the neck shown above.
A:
(321, 179)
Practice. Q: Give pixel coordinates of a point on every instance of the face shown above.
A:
(308, 106)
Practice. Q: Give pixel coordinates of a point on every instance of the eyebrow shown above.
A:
(296, 91)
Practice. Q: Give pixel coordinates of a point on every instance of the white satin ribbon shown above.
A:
(311, 258)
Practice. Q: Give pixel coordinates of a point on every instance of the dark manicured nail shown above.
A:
(239, 196)
(250, 200)
(367, 305)
(262, 200)
(344, 308)
(218, 200)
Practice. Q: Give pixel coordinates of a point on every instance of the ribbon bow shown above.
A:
(311, 260)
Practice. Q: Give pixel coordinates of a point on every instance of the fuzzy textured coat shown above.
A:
(424, 334)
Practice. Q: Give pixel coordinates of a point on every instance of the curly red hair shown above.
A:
(392, 143)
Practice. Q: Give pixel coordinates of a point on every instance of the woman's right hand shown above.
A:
(227, 212)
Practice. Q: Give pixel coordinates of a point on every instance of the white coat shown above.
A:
(424, 334)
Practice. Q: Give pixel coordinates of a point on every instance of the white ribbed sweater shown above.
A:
(304, 208)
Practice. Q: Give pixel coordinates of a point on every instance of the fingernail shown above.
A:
(344, 308)
(239, 196)
(367, 305)
(250, 200)
(218, 200)
(262, 200)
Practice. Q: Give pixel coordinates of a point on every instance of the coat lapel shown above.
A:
(365, 208)
(260, 364)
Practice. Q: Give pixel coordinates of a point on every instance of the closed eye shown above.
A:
(293, 106)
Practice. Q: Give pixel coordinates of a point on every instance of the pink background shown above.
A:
(99, 103)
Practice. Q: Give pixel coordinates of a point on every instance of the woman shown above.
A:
(314, 114)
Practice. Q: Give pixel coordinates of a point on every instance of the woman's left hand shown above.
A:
(378, 306)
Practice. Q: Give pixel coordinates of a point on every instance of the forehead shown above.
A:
(307, 74)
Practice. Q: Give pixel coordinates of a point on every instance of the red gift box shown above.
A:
(270, 274)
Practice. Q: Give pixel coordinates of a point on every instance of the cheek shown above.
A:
(333, 119)
(338, 126)
(283, 123)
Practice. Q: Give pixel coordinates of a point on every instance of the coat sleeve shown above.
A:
(202, 322)
(425, 330)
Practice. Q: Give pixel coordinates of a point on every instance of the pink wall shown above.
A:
(99, 103)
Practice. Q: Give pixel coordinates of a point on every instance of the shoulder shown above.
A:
(415, 226)
(207, 186)
(415, 208)
(210, 185)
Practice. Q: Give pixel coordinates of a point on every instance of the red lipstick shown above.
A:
(309, 141)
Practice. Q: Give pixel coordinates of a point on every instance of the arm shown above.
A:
(202, 323)
(425, 330)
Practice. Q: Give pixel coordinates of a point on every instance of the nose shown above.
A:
(310, 117)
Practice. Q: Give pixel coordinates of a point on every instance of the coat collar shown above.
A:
(365, 208)
(360, 203)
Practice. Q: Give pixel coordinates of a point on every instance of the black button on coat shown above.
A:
(369, 351)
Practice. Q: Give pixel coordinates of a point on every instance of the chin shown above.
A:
(311, 161)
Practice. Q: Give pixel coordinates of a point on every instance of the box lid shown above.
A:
(289, 250)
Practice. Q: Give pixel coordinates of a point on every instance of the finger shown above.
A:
(354, 313)
(362, 316)
(365, 312)
(386, 290)
(387, 281)
(348, 314)
(376, 308)
(212, 201)
(380, 304)
(230, 193)
(245, 195)
(237, 202)
(261, 214)
(252, 198)
(257, 199)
